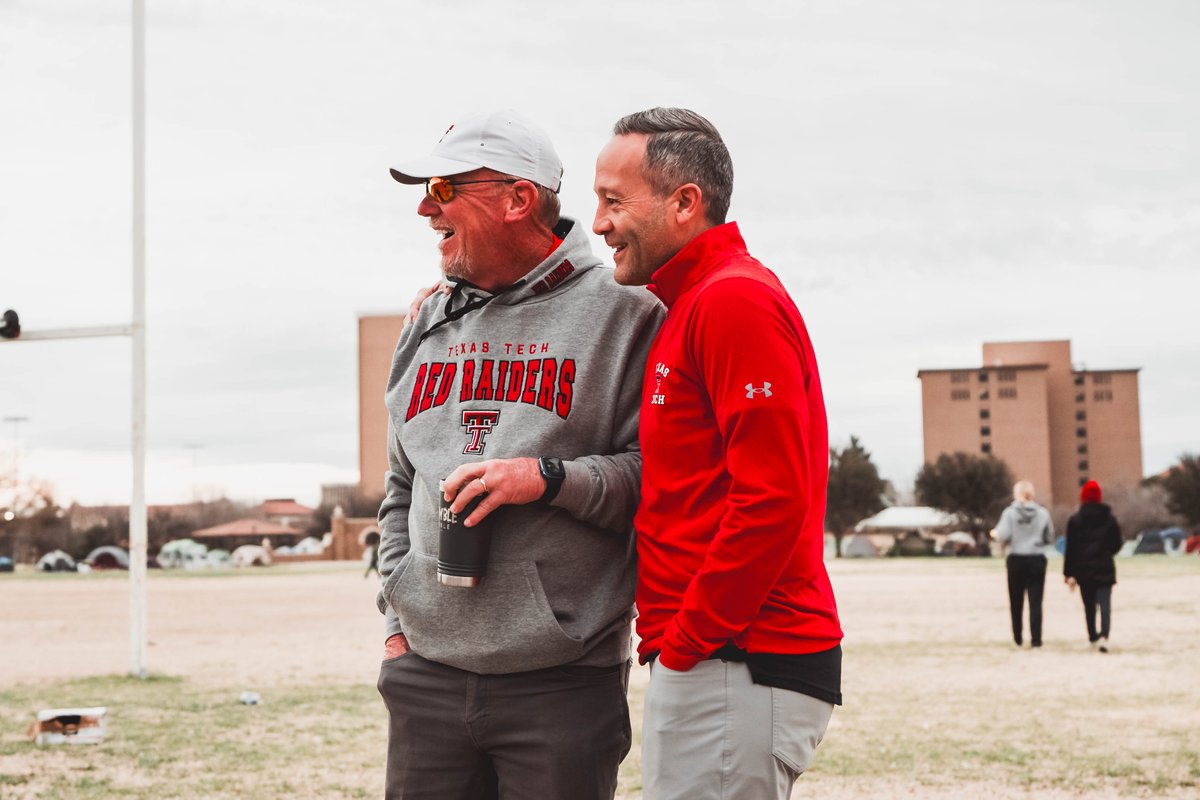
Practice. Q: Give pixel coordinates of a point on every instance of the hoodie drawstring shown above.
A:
(474, 303)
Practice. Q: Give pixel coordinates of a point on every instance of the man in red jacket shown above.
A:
(736, 611)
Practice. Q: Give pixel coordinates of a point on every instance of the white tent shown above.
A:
(186, 553)
(56, 561)
(251, 555)
(905, 518)
(859, 545)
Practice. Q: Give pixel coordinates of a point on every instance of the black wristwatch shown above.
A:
(554, 474)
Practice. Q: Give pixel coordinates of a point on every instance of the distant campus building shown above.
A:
(377, 337)
(1051, 423)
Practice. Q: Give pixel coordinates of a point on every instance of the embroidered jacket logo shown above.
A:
(478, 424)
(658, 398)
(764, 390)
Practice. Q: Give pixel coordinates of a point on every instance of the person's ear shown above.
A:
(522, 201)
(688, 202)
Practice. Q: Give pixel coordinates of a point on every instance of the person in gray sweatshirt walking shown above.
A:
(1026, 528)
(518, 388)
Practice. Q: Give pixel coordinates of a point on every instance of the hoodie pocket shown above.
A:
(503, 625)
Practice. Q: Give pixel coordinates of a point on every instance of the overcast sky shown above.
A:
(923, 176)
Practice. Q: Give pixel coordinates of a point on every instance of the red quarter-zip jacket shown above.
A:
(735, 461)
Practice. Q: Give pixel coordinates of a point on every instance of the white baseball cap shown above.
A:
(505, 141)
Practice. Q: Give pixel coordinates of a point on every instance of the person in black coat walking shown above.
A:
(1093, 538)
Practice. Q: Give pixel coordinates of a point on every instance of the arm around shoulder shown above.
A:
(604, 489)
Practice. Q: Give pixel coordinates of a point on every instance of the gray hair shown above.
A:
(684, 147)
(549, 209)
(1023, 490)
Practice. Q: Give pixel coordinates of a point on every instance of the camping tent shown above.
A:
(217, 557)
(56, 561)
(186, 553)
(1149, 542)
(958, 543)
(108, 557)
(1174, 541)
(909, 525)
(251, 555)
(858, 545)
(310, 545)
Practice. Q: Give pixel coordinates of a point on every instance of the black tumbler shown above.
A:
(462, 551)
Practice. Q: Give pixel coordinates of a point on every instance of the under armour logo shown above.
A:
(478, 424)
(765, 390)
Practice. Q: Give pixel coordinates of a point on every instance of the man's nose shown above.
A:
(428, 206)
(601, 225)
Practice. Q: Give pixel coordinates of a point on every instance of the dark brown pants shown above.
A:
(543, 735)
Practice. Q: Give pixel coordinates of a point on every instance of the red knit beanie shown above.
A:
(1090, 493)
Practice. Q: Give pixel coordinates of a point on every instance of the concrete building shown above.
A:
(1051, 423)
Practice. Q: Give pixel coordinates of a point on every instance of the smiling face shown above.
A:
(471, 226)
(633, 219)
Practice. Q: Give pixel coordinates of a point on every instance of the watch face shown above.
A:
(553, 468)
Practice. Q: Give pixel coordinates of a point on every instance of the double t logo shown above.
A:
(478, 424)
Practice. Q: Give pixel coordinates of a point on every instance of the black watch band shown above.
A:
(554, 474)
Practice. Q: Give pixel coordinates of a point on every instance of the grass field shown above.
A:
(939, 703)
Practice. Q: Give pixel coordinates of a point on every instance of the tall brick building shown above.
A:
(1051, 423)
(377, 337)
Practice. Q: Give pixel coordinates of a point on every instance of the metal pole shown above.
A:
(93, 332)
(16, 422)
(137, 508)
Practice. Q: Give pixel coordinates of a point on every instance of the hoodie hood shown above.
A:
(1026, 512)
(1095, 512)
(566, 263)
(1027, 526)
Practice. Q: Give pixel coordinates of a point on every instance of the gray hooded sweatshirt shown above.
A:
(1027, 525)
(551, 366)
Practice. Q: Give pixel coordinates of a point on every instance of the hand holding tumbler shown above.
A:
(462, 551)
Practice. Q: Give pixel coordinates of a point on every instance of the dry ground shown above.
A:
(939, 703)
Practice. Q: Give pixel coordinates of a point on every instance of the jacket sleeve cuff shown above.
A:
(576, 489)
(674, 661)
(391, 624)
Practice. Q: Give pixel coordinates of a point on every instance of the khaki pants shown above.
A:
(711, 733)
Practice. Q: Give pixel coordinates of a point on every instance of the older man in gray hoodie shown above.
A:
(520, 386)
(1026, 527)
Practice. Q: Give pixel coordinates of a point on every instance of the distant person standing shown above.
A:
(372, 555)
(1093, 538)
(1026, 527)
